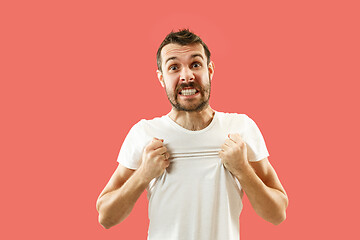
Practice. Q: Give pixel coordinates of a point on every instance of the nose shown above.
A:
(186, 75)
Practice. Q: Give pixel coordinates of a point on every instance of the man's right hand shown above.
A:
(125, 186)
(155, 159)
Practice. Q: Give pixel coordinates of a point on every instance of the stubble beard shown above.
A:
(204, 102)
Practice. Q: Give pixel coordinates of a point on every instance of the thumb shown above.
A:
(231, 136)
(157, 139)
(235, 137)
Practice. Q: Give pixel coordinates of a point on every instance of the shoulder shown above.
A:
(233, 117)
(236, 121)
(152, 123)
(142, 132)
(148, 126)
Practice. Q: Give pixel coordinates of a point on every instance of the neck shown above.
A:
(193, 121)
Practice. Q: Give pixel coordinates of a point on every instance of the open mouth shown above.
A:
(188, 92)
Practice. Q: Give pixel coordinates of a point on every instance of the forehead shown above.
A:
(179, 51)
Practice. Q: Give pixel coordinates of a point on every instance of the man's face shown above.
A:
(186, 76)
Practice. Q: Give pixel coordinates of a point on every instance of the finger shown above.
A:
(162, 157)
(235, 137)
(160, 150)
(230, 143)
(166, 163)
(155, 143)
(157, 139)
(222, 154)
(225, 147)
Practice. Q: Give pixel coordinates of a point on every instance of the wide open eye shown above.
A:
(196, 65)
(173, 68)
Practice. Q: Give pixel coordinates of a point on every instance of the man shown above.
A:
(194, 162)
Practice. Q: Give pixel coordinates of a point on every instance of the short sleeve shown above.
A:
(131, 150)
(256, 148)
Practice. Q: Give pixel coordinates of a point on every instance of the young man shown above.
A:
(194, 162)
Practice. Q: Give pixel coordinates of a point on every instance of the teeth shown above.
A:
(187, 92)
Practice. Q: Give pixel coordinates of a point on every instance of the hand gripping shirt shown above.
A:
(196, 198)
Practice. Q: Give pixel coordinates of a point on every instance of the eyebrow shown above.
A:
(192, 56)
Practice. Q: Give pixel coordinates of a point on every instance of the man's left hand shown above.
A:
(233, 153)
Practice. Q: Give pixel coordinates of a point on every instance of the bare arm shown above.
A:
(264, 190)
(258, 179)
(119, 196)
(125, 186)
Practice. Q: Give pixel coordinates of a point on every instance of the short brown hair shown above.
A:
(182, 37)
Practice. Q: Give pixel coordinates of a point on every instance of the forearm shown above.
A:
(268, 203)
(115, 206)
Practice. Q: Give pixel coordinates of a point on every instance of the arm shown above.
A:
(119, 196)
(258, 179)
(264, 190)
(125, 186)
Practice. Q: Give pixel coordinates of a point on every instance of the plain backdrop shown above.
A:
(76, 75)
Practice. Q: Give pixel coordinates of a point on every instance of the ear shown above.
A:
(211, 68)
(160, 77)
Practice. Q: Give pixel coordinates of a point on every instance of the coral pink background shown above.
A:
(76, 75)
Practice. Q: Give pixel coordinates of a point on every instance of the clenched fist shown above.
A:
(155, 159)
(233, 153)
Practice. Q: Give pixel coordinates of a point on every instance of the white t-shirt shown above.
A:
(196, 198)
